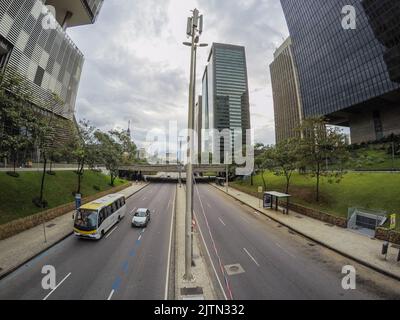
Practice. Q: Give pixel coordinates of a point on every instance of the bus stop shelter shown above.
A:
(272, 198)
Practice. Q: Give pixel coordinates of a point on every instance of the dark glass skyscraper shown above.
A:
(349, 76)
(225, 91)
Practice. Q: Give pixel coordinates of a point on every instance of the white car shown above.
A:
(141, 218)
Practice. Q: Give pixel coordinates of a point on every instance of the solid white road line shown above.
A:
(251, 257)
(284, 250)
(209, 256)
(222, 222)
(45, 298)
(169, 251)
(109, 234)
(140, 237)
(111, 294)
(133, 211)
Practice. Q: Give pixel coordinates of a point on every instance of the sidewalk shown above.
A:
(22, 247)
(348, 243)
(189, 290)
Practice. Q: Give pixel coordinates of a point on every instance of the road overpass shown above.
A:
(172, 168)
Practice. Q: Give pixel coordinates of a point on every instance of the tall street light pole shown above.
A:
(179, 157)
(194, 30)
(227, 172)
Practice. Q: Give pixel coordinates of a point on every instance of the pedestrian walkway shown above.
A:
(360, 248)
(20, 248)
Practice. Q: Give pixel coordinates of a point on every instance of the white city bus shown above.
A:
(94, 219)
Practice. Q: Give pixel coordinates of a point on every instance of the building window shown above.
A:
(5, 51)
(39, 76)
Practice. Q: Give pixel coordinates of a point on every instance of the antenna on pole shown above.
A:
(129, 129)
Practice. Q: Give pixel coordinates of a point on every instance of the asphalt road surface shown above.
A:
(127, 264)
(271, 262)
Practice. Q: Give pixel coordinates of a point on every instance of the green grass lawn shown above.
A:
(373, 158)
(16, 194)
(379, 191)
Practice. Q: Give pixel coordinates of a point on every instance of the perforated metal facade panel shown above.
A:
(36, 49)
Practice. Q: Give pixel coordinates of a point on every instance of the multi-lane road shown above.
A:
(256, 258)
(250, 257)
(127, 264)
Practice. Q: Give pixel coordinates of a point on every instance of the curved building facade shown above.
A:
(36, 45)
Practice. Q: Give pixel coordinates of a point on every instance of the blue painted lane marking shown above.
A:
(116, 283)
(125, 266)
(132, 253)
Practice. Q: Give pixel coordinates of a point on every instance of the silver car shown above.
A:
(141, 218)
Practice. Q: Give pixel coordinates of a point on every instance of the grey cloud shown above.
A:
(118, 84)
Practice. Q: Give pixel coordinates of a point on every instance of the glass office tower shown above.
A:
(349, 76)
(286, 93)
(226, 94)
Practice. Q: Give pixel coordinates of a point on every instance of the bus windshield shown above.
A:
(86, 219)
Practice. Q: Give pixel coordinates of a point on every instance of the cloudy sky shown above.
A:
(137, 69)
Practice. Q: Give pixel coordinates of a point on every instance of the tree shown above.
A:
(259, 161)
(55, 155)
(320, 145)
(83, 149)
(283, 159)
(16, 118)
(44, 131)
(111, 151)
(128, 146)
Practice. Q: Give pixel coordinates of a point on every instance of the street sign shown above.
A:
(267, 201)
(393, 221)
(78, 200)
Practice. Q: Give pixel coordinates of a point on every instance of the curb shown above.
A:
(362, 262)
(172, 263)
(8, 272)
